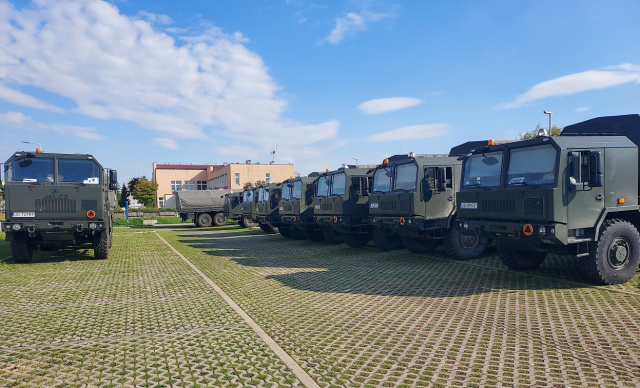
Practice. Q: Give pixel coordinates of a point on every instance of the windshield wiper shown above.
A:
(532, 185)
(478, 185)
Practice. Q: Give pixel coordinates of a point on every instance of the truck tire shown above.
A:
(219, 219)
(464, 247)
(331, 235)
(21, 251)
(356, 240)
(615, 258)
(520, 260)
(249, 223)
(385, 241)
(420, 245)
(101, 245)
(204, 220)
(268, 228)
(298, 233)
(285, 231)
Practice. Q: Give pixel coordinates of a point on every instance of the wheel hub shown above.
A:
(619, 252)
(469, 242)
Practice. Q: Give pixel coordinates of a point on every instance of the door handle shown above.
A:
(450, 198)
(599, 197)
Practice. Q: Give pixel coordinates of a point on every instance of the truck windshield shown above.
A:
(532, 165)
(296, 191)
(31, 170)
(338, 184)
(483, 170)
(323, 186)
(247, 196)
(405, 177)
(286, 191)
(263, 195)
(382, 180)
(78, 171)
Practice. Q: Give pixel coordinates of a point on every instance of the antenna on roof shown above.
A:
(273, 152)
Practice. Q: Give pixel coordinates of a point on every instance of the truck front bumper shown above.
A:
(53, 226)
(410, 226)
(526, 233)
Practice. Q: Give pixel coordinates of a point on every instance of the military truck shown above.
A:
(57, 201)
(232, 207)
(571, 194)
(412, 202)
(203, 207)
(341, 205)
(249, 198)
(265, 211)
(296, 209)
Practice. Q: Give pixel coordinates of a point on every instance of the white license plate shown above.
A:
(468, 205)
(317, 207)
(373, 205)
(23, 214)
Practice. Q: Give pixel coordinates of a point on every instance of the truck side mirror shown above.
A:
(595, 169)
(311, 188)
(355, 187)
(113, 180)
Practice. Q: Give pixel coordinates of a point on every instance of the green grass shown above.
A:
(137, 221)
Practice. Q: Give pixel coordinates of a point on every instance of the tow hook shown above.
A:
(517, 234)
(477, 231)
(79, 228)
(31, 229)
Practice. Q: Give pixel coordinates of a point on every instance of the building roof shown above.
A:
(187, 166)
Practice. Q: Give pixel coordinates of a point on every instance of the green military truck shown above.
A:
(249, 198)
(571, 194)
(265, 211)
(341, 205)
(56, 201)
(296, 209)
(232, 207)
(412, 202)
(203, 207)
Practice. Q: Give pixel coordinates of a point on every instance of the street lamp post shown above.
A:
(356, 159)
(550, 114)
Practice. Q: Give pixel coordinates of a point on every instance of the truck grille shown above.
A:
(326, 206)
(498, 206)
(55, 205)
(388, 205)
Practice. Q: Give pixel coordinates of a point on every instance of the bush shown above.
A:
(146, 209)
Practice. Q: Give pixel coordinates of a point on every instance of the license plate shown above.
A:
(23, 214)
(468, 205)
(317, 207)
(373, 205)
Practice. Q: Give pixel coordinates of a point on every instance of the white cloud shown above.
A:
(358, 20)
(382, 105)
(23, 123)
(117, 67)
(155, 18)
(582, 109)
(578, 82)
(424, 131)
(169, 144)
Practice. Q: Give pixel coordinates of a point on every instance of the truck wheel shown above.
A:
(616, 256)
(219, 219)
(101, 245)
(464, 247)
(314, 235)
(520, 260)
(331, 235)
(385, 241)
(285, 231)
(268, 228)
(298, 233)
(204, 220)
(420, 245)
(356, 240)
(241, 224)
(20, 248)
(249, 223)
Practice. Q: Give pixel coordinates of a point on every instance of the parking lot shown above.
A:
(166, 309)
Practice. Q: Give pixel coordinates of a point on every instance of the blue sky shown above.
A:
(207, 82)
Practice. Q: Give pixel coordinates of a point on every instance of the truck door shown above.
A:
(585, 188)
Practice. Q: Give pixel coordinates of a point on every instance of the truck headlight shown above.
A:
(92, 225)
(16, 227)
(465, 226)
(542, 230)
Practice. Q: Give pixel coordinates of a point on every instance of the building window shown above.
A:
(268, 178)
(237, 178)
(190, 185)
(176, 185)
(201, 185)
(160, 202)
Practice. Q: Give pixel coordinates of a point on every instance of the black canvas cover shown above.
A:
(624, 125)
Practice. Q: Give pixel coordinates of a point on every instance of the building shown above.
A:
(181, 177)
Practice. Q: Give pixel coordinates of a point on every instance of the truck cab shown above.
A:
(232, 207)
(568, 194)
(56, 201)
(341, 205)
(266, 210)
(249, 199)
(412, 202)
(296, 209)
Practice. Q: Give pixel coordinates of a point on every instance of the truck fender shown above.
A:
(622, 214)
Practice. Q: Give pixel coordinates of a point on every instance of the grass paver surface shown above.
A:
(349, 317)
(140, 318)
(362, 317)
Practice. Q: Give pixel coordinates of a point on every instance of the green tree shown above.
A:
(145, 192)
(555, 131)
(253, 184)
